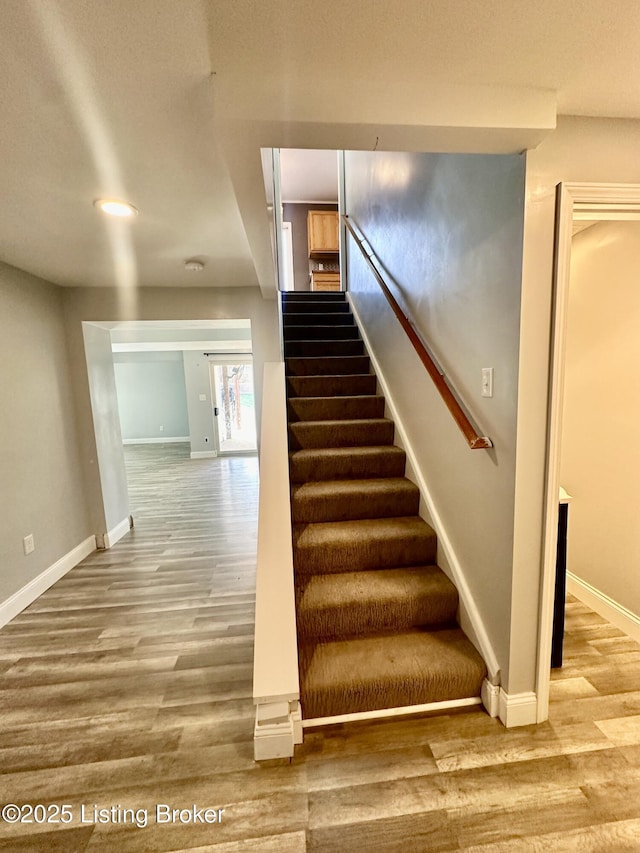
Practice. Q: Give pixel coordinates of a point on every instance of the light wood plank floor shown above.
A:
(128, 684)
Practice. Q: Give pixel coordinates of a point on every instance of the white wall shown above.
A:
(151, 394)
(448, 229)
(106, 427)
(600, 464)
(40, 481)
(198, 384)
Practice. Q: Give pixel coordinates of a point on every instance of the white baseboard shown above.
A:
(387, 713)
(278, 728)
(612, 610)
(490, 694)
(104, 541)
(518, 709)
(470, 619)
(179, 439)
(204, 454)
(24, 597)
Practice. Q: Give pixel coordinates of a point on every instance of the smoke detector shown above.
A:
(194, 266)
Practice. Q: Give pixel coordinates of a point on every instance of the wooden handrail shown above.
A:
(475, 441)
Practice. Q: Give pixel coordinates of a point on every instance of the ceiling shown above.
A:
(585, 50)
(308, 175)
(167, 102)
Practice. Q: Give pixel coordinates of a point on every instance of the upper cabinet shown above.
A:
(322, 232)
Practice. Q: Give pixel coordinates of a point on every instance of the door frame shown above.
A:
(288, 276)
(215, 360)
(596, 201)
(342, 228)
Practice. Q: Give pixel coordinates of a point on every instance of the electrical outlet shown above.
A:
(28, 543)
(161, 427)
(202, 398)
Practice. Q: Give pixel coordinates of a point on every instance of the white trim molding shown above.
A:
(518, 709)
(278, 728)
(240, 346)
(612, 610)
(490, 694)
(176, 439)
(597, 201)
(204, 454)
(107, 540)
(17, 602)
(470, 618)
(387, 713)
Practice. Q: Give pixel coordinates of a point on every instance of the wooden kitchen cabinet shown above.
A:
(325, 280)
(322, 232)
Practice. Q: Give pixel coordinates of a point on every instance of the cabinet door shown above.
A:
(322, 232)
(321, 280)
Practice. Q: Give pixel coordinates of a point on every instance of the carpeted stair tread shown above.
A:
(321, 333)
(388, 670)
(327, 365)
(304, 318)
(320, 348)
(340, 433)
(336, 408)
(355, 603)
(331, 386)
(310, 308)
(350, 546)
(341, 500)
(376, 617)
(341, 463)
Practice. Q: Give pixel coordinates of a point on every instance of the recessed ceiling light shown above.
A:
(115, 207)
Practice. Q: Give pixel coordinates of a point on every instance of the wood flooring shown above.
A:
(128, 684)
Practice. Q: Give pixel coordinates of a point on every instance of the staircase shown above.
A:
(376, 617)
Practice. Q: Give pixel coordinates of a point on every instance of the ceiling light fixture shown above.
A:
(194, 266)
(115, 207)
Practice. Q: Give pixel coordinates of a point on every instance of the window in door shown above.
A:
(234, 410)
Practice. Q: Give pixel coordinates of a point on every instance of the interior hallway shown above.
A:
(129, 684)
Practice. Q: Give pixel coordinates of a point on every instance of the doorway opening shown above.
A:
(593, 391)
(307, 219)
(149, 384)
(233, 404)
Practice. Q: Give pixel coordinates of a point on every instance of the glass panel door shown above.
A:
(235, 406)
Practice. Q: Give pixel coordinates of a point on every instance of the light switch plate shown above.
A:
(487, 381)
